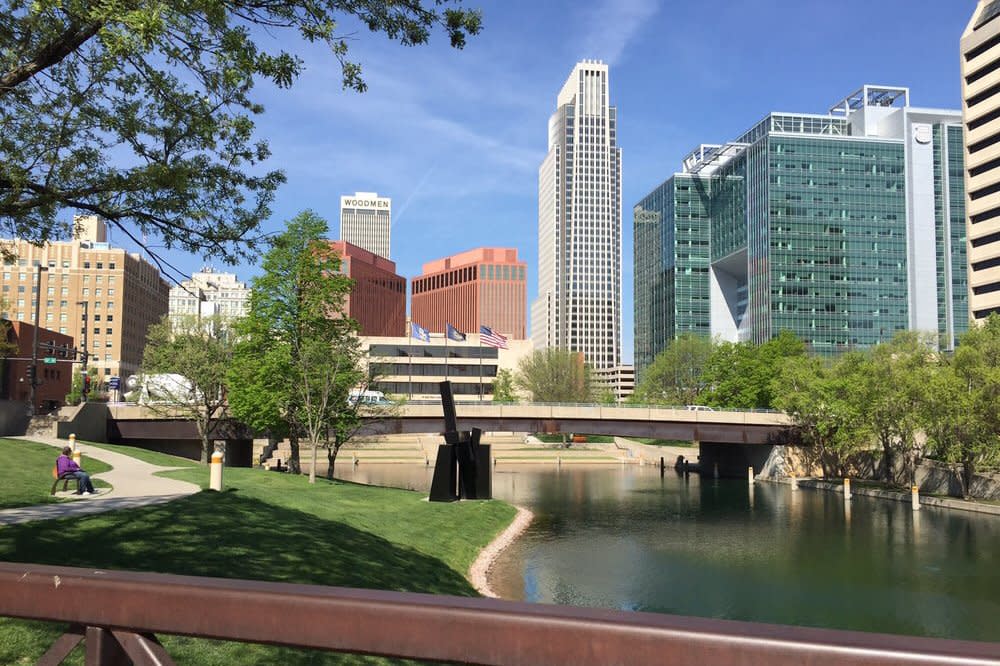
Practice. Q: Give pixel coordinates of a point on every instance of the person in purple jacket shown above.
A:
(66, 466)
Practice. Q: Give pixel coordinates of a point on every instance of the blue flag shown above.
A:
(419, 332)
(455, 334)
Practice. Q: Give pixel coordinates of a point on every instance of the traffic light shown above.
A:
(30, 373)
(86, 384)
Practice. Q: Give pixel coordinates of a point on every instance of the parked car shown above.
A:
(698, 408)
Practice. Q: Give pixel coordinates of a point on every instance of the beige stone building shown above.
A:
(407, 367)
(124, 294)
(981, 109)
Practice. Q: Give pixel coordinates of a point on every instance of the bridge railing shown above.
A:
(119, 614)
(681, 408)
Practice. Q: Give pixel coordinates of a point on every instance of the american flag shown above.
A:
(488, 337)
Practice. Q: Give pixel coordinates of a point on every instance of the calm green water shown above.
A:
(625, 538)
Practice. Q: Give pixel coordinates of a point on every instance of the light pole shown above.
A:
(84, 352)
(34, 337)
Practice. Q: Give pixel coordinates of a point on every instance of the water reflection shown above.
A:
(623, 537)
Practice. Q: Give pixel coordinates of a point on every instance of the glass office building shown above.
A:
(843, 228)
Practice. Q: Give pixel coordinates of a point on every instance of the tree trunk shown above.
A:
(968, 472)
(312, 467)
(331, 458)
(887, 474)
(206, 443)
(293, 457)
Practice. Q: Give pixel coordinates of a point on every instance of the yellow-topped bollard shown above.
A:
(915, 497)
(72, 441)
(847, 489)
(215, 476)
(750, 475)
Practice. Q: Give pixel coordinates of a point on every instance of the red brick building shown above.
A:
(54, 379)
(486, 286)
(378, 299)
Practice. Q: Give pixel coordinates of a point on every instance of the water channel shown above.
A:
(625, 538)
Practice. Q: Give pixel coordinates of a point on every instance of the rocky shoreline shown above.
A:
(479, 572)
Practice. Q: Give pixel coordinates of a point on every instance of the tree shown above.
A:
(297, 356)
(75, 395)
(824, 402)
(893, 391)
(199, 350)
(141, 111)
(740, 375)
(555, 375)
(353, 415)
(676, 376)
(503, 387)
(962, 420)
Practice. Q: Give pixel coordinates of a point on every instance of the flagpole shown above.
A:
(446, 351)
(480, 363)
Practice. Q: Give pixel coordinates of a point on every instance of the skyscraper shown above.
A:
(981, 111)
(102, 296)
(365, 219)
(485, 286)
(843, 228)
(378, 297)
(579, 223)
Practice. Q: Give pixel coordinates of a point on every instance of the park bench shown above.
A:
(65, 478)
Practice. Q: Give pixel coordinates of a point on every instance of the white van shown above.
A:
(367, 398)
(698, 408)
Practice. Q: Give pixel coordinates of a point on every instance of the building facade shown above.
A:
(981, 112)
(579, 224)
(843, 228)
(366, 221)
(103, 297)
(378, 298)
(620, 381)
(54, 378)
(209, 294)
(486, 286)
(406, 367)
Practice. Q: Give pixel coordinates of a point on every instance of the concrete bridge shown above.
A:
(733, 439)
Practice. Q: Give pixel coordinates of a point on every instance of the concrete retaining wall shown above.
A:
(13, 418)
(88, 422)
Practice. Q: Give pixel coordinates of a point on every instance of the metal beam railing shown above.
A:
(119, 613)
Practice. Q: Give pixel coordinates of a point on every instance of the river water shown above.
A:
(623, 537)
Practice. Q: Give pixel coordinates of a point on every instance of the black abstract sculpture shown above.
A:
(462, 469)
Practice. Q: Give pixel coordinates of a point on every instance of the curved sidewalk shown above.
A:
(132, 481)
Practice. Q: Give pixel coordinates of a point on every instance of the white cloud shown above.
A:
(611, 25)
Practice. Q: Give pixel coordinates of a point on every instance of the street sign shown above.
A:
(50, 360)
(114, 383)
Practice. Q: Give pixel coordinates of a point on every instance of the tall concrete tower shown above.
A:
(981, 110)
(580, 224)
(365, 218)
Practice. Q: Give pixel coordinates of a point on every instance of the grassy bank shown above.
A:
(26, 473)
(147, 456)
(266, 526)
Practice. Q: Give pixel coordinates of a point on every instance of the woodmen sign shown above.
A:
(365, 202)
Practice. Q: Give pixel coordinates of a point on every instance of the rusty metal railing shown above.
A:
(119, 614)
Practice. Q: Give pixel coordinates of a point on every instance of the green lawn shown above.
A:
(558, 438)
(663, 442)
(145, 455)
(26, 473)
(266, 526)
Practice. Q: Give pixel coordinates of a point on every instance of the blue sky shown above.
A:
(456, 137)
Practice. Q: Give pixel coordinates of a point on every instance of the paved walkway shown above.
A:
(132, 481)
